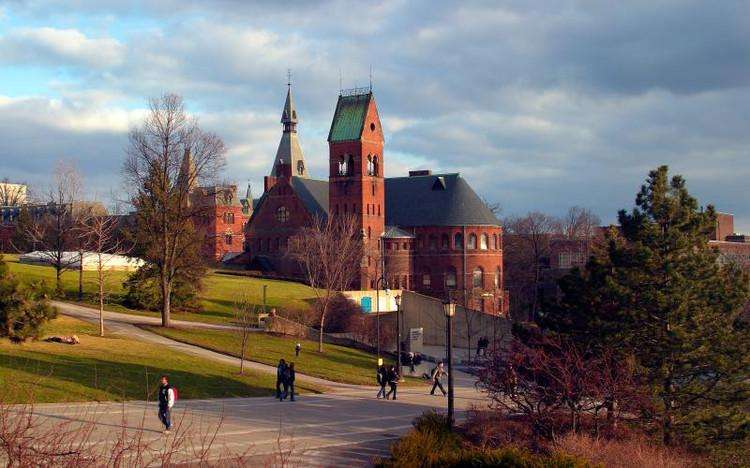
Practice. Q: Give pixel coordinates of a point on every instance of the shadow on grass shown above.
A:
(79, 378)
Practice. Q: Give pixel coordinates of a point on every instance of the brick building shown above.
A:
(413, 227)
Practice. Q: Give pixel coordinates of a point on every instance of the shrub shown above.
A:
(23, 310)
(635, 451)
(143, 291)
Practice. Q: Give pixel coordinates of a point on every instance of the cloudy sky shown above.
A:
(540, 105)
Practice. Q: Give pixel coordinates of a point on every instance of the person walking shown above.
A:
(297, 349)
(437, 374)
(285, 379)
(382, 377)
(166, 402)
(392, 382)
(280, 377)
(411, 363)
(290, 381)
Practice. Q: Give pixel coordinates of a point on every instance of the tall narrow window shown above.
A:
(472, 243)
(458, 241)
(494, 241)
(426, 279)
(445, 242)
(483, 242)
(477, 278)
(375, 169)
(228, 238)
(450, 278)
(433, 242)
(370, 170)
(497, 278)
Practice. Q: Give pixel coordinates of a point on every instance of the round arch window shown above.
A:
(282, 214)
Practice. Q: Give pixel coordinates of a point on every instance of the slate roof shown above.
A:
(349, 118)
(434, 200)
(313, 193)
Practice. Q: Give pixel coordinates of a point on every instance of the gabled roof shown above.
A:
(434, 200)
(313, 193)
(393, 232)
(349, 118)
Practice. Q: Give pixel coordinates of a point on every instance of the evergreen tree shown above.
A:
(658, 290)
(23, 310)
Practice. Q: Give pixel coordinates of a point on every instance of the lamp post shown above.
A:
(449, 307)
(380, 281)
(398, 335)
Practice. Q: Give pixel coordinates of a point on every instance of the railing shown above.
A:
(355, 91)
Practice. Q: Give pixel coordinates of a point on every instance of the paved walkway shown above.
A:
(125, 325)
(347, 427)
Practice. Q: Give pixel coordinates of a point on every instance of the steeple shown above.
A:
(289, 151)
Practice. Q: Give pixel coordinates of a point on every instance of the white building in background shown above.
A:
(90, 260)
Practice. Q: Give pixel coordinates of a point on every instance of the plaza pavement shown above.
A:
(346, 427)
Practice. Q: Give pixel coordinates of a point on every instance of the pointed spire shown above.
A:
(289, 151)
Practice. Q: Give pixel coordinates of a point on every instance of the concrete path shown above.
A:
(348, 428)
(125, 325)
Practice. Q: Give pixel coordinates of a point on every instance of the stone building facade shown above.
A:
(413, 227)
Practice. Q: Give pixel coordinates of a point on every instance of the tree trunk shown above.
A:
(101, 299)
(58, 281)
(80, 276)
(166, 292)
(668, 419)
(320, 333)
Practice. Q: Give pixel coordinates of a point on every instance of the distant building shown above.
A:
(434, 232)
(732, 246)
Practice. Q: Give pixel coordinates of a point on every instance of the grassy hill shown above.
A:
(114, 368)
(217, 297)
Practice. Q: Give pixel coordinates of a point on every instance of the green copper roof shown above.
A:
(349, 117)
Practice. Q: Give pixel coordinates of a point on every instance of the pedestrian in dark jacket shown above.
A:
(437, 374)
(297, 349)
(280, 377)
(392, 382)
(290, 381)
(166, 401)
(382, 377)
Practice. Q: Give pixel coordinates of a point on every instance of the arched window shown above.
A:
(426, 278)
(228, 238)
(342, 165)
(483, 242)
(450, 278)
(477, 278)
(370, 167)
(494, 241)
(375, 168)
(472, 243)
(345, 165)
(458, 241)
(445, 242)
(497, 278)
(282, 214)
(433, 242)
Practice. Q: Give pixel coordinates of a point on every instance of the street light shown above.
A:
(398, 335)
(449, 307)
(378, 283)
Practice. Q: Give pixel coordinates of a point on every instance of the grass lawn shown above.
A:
(219, 293)
(336, 363)
(114, 369)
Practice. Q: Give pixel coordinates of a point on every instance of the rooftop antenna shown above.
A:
(289, 77)
(341, 82)
(370, 78)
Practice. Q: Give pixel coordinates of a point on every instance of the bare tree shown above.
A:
(99, 236)
(12, 194)
(53, 231)
(245, 314)
(168, 156)
(330, 253)
(526, 242)
(580, 223)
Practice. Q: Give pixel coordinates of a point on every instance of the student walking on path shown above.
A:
(297, 349)
(437, 374)
(382, 376)
(166, 402)
(392, 382)
(280, 369)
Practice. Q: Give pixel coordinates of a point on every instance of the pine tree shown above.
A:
(23, 310)
(659, 292)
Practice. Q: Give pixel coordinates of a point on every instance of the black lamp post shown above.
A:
(380, 281)
(398, 334)
(449, 307)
